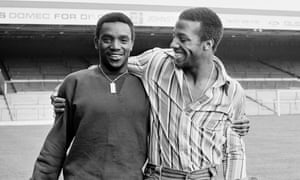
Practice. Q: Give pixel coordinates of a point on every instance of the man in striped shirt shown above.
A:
(193, 104)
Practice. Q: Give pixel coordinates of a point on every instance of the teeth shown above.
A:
(177, 55)
(115, 57)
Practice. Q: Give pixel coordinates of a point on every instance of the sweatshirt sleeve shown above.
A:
(52, 155)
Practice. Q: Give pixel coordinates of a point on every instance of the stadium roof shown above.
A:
(252, 15)
(62, 21)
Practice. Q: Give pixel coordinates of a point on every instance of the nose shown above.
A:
(174, 43)
(115, 45)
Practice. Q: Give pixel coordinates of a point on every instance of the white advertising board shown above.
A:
(287, 5)
(144, 13)
(140, 18)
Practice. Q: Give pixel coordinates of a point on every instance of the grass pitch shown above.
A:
(273, 148)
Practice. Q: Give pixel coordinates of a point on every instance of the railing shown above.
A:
(277, 102)
(40, 113)
(29, 81)
(293, 104)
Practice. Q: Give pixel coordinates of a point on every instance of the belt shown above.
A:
(168, 173)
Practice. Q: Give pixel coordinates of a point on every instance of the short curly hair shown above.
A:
(114, 17)
(211, 24)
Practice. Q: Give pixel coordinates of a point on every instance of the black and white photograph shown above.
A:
(149, 90)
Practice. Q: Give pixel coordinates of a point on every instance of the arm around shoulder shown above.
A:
(139, 64)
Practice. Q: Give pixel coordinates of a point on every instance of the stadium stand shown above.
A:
(23, 92)
(269, 69)
(58, 67)
(41, 68)
(254, 69)
(262, 69)
(30, 81)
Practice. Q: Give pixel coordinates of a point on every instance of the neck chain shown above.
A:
(112, 83)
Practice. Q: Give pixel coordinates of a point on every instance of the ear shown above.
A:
(96, 40)
(208, 44)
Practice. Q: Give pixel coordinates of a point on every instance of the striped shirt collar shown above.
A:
(222, 78)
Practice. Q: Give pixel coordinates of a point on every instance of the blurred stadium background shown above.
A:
(41, 41)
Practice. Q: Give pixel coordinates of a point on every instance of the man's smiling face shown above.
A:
(114, 44)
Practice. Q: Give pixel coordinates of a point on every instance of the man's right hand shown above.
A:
(58, 104)
(241, 126)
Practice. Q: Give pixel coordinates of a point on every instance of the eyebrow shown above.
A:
(122, 35)
(180, 34)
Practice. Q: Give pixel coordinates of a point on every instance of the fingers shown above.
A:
(238, 125)
(55, 99)
(59, 110)
(52, 97)
(241, 127)
(241, 132)
(59, 104)
(59, 100)
(246, 121)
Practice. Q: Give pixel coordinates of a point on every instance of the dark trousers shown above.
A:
(153, 172)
